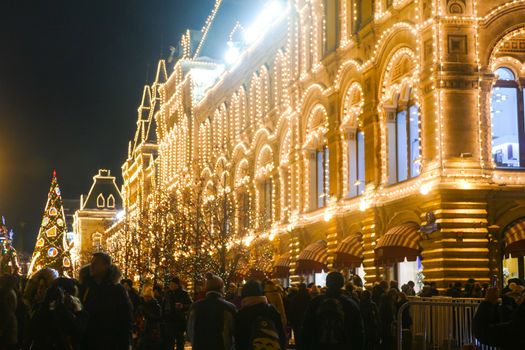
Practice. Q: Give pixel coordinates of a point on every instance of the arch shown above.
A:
(264, 162)
(313, 94)
(401, 34)
(101, 201)
(315, 126)
(111, 201)
(261, 136)
(345, 72)
(352, 106)
(403, 217)
(242, 173)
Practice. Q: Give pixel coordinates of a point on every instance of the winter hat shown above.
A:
(252, 288)
(67, 284)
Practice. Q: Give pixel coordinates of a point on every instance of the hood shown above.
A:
(113, 277)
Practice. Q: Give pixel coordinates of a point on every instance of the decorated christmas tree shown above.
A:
(53, 245)
(8, 257)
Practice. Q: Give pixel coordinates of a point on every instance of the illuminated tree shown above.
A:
(53, 244)
(8, 256)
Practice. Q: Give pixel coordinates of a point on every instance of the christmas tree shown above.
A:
(8, 258)
(53, 244)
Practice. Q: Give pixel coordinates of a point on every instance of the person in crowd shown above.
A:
(175, 306)
(36, 287)
(454, 290)
(150, 312)
(370, 315)
(211, 321)
(8, 307)
(107, 303)
(489, 328)
(134, 296)
(406, 320)
(315, 291)
(58, 322)
(233, 296)
(426, 291)
(258, 324)
(394, 285)
(433, 289)
(351, 292)
(298, 306)
(333, 321)
(388, 316)
(273, 293)
(378, 291)
(158, 293)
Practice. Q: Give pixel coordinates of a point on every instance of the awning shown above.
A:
(349, 252)
(312, 259)
(514, 239)
(281, 269)
(398, 244)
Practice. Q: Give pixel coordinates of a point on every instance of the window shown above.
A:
(244, 211)
(404, 143)
(97, 242)
(267, 190)
(508, 135)
(356, 163)
(111, 201)
(331, 22)
(101, 202)
(322, 176)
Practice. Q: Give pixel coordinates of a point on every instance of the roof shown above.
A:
(222, 21)
(104, 193)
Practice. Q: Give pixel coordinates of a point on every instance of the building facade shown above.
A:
(96, 214)
(382, 137)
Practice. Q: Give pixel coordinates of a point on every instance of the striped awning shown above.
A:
(398, 243)
(313, 259)
(514, 238)
(281, 269)
(349, 252)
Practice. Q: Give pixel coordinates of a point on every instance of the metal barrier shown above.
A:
(438, 323)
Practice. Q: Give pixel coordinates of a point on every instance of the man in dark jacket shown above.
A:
(333, 321)
(174, 312)
(258, 324)
(8, 320)
(490, 330)
(211, 321)
(107, 304)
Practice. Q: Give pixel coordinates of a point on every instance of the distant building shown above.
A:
(70, 208)
(96, 214)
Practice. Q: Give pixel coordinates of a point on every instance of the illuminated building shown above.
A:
(345, 123)
(96, 214)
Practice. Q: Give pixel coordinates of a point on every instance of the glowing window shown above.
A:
(508, 136)
(356, 164)
(322, 176)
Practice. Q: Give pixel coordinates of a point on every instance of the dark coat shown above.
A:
(489, 330)
(110, 312)
(150, 338)
(211, 323)
(55, 325)
(246, 319)
(173, 318)
(297, 308)
(353, 323)
(8, 308)
(370, 315)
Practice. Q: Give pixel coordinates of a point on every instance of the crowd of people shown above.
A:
(101, 311)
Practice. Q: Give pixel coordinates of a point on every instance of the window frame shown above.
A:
(322, 198)
(406, 107)
(513, 84)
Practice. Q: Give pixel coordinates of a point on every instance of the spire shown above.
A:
(54, 173)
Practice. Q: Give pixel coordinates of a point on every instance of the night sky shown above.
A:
(71, 78)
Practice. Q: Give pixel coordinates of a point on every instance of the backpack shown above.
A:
(331, 321)
(264, 335)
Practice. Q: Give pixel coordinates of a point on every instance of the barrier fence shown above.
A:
(438, 324)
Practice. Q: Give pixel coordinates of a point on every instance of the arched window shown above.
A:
(265, 168)
(508, 134)
(96, 239)
(355, 141)
(101, 201)
(317, 158)
(322, 176)
(111, 201)
(404, 143)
